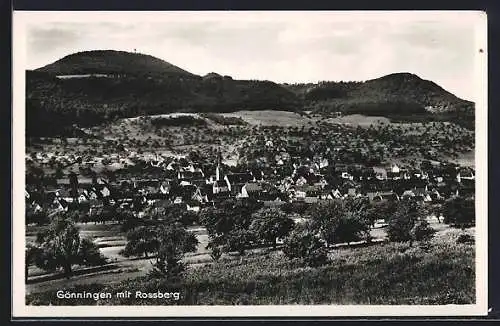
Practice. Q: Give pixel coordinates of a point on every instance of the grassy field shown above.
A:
(272, 118)
(440, 272)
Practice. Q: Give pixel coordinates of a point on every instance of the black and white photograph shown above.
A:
(279, 163)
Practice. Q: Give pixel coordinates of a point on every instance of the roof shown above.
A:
(311, 200)
(64, 193)
(419, 192)
(252, 187)
(239, 177)
(408, 193)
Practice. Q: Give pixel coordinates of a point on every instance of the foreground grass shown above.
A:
(440, 272)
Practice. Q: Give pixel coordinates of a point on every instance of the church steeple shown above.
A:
(218, 169)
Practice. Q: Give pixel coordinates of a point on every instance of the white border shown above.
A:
(20, 18)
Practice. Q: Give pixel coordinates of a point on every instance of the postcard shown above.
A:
(249, 163)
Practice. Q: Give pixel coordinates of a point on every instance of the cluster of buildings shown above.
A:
(179, 181)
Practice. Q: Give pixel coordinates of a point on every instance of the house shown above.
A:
(435, 195)
(382, 196)
(322, 183)
(299, 194)
(380, 173)
(421, 194)
(198, 196)
(83, 198)
(323, 163)
(192, 207)
(220, 186)
(235, 181)
(65, 195)
(251, 190)
(165, 187)
(351, 192)
(408, 194)
(336, 194)
(300, 181)
(312, 191)
(465, 173)
(346, 175)
(393, 175)
(103, 190)
(326, 196)
(311, 200)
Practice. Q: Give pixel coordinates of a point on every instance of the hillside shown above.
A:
(100, 86)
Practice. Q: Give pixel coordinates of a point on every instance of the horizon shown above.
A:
(281, 47)
(289, 82)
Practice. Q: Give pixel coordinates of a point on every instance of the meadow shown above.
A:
(441, 271)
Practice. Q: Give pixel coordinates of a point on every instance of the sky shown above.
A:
(278, 46)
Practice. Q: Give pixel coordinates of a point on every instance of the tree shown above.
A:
(31, 254)
(325, 219)
(228, 226)
(340, 221)
(408, 223)
(174, 241)
(141, 241)
(459, 211)
(302, 243)
(271, 224)
(382, 210)
(167, 242)
(60, 245)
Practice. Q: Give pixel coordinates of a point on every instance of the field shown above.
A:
(439, 272)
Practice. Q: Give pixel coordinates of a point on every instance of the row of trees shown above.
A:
(238, 226)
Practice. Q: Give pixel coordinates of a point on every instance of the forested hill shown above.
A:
(112, 62)
(88, 88)
(401, 92)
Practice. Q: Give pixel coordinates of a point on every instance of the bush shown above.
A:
(89, 254)
(465, 238)
(422, 231)
(305, 245)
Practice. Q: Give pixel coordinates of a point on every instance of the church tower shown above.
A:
(218, 169)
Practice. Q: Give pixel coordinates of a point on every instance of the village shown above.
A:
(161, 181)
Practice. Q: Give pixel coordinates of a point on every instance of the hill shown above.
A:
(398, 95)
(89, 88)
(397, 87)
(93, 87)
(111, 62)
